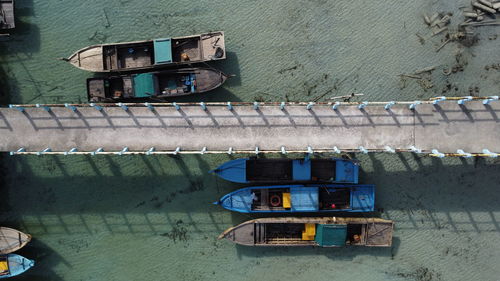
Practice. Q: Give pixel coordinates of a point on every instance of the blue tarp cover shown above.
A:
(302, 170)
(346, 171)
(304, 199)
(163, 50)
(143, 85)
(331, 234)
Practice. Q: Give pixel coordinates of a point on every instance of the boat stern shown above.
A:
(238, 201)
(96, 89)
(233, 171)
(347, 171)
(363, 198)
(243, 234)
(19, 264)
(89, 59)
(213, 46)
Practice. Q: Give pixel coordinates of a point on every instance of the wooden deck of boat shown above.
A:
(7, 14)
(447, 127)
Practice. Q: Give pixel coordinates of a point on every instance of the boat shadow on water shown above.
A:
(25, 37)
(334, 253)
(45, 259)
(230, 66)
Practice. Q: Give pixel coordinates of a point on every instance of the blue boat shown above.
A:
(13, 265)
(259, 170)
(301, 198)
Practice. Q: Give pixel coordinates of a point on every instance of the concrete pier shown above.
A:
(445, 127)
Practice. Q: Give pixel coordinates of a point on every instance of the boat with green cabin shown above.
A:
(150, 54)
(321, 232)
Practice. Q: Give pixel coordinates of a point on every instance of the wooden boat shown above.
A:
(150, 54)
(7, 20)
(301, 198)
(12, 240)
(282, 170)
(322, 232)
(154, 86)
(12, 265)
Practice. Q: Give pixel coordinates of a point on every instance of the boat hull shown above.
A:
(282, 170)
(7, 11)
(154, 86)
(12, 240)
(14, 265)
(292, 231)
(150, 54)
(322, 198)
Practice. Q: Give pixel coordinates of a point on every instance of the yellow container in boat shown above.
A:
(4, 266)
(309, 232)
(287, 201)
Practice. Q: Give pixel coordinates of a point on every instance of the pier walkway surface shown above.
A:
(445, 127)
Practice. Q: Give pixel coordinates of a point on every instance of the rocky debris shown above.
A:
(493, 66)
(479, 12)
(422, 76)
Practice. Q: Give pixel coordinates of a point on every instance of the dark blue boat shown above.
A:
(258, 170)
(13, 265)
(301, 198)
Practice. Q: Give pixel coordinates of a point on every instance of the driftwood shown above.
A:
(486, 3)
(484, 7)
(410, 76)
(427, 20)
(427, 69)
(483, 23)
(347, 96)
(438, 31)
(442, 45)
(421, 38)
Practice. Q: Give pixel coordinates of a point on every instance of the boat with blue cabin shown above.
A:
(149, 54)
(301, 198)
(283, 170)
(12, 265)
(154, 86)
(319, 232)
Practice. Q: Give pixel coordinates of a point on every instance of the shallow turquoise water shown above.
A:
(151, 218)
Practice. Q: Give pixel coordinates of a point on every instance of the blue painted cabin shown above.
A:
(13, 265)
(255, 170)
(301, 198)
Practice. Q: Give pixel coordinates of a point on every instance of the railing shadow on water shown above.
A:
(150, 195)
(152, 204)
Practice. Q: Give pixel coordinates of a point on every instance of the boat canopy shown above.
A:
(304, 199)
(163, 50)
(144, 85)
(302, 170)
(331, 234)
